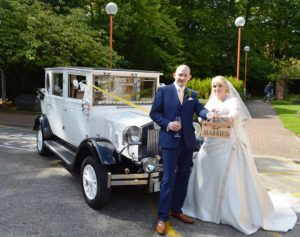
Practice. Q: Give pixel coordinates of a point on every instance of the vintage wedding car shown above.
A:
(97, 121)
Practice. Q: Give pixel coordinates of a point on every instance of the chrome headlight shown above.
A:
(149, 164)
(132, 135)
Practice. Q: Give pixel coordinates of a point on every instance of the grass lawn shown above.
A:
(288, 114)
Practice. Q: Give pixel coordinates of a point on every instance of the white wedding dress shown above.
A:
(224, 185)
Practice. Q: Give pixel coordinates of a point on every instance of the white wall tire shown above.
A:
(40, 142)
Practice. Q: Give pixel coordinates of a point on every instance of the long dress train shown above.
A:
(224, 185)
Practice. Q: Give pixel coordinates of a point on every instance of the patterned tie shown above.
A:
(181, 94)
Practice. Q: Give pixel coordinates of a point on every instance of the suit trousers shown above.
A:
(177, 168)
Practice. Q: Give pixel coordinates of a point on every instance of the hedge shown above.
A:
(203, 86)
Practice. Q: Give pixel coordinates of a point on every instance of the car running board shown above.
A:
(65, 154)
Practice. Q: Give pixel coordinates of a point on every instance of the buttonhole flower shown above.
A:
(188, 93)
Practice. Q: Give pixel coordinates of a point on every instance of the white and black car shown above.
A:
(96, 121)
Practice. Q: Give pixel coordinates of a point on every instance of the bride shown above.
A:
(224, 185)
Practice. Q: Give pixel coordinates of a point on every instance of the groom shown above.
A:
(173, 101)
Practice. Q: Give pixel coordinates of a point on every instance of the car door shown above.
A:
(74, 120)
(55, 104)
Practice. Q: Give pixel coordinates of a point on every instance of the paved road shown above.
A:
(267, 135)
(39, 197)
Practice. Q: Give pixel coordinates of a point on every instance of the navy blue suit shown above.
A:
(176, 152)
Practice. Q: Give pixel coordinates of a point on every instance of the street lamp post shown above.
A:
(246, 50)
(239, 23)
(3, 86)
(111, 9)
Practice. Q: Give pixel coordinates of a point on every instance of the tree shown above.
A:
(34, 37)
(147, 34)
(286, 70)
(152, 41)
(143, 33)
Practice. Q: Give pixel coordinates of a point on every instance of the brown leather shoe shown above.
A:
(161, 227)
(182, 217)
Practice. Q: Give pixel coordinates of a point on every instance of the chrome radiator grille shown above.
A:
(152, 142)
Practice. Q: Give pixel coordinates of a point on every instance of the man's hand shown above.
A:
(174, 126)
(213, 115)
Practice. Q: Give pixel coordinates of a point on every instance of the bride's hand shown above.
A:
(227, 119)
(214, 114)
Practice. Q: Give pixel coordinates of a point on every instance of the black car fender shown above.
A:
(101, 148)
(42, 120)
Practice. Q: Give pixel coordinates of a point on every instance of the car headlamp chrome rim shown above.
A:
(132, 135)
(149, 164)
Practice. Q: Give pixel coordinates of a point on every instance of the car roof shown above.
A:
(90, 69)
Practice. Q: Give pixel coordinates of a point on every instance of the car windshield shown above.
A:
(116, 89)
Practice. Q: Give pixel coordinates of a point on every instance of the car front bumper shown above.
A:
(152, 180)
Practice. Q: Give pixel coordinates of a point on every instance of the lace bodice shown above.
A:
(229, 108)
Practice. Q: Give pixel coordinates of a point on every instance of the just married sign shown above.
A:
(216, 129)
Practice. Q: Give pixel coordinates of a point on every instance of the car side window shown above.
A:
(57, 84)
(147, 89)
(106, 83)
(138, 89)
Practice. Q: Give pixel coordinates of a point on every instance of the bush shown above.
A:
(291, 99)
(203, 86)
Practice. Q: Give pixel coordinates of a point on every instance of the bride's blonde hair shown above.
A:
(220, 79)
(232, 93)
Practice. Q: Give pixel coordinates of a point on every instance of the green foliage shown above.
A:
(286, 69)
(35, 34)
(34, 37)
(151, 35)
(289, 100)
(288, 114)
(203, 86)
(147, 36)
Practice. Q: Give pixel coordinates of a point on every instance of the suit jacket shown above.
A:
(166, 106)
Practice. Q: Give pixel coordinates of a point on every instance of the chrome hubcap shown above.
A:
(89, 181)
(39, 140)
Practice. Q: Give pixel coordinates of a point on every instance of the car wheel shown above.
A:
(94, 183)
(40, 143)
